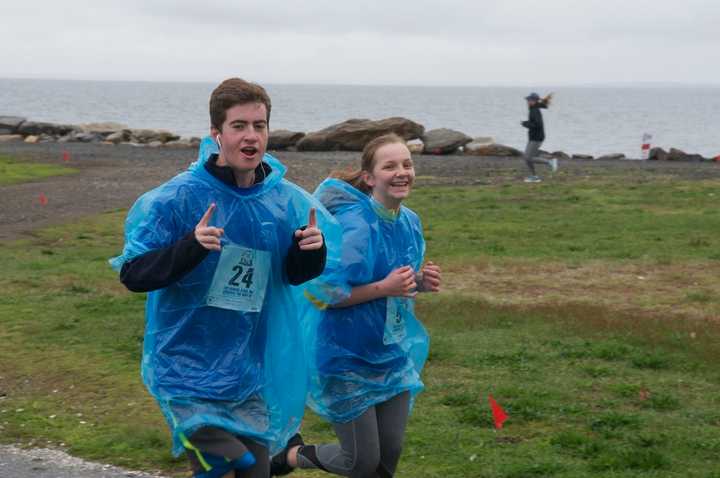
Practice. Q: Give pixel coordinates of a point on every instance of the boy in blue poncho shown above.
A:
(367, 350)
(218, 248)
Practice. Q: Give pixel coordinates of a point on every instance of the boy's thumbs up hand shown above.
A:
(311, 237)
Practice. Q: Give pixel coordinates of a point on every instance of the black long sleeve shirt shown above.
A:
(534, 123)
(161, 267)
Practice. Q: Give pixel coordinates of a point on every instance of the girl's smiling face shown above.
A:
(392, 175)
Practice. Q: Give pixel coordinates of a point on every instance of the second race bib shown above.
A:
(399, 310)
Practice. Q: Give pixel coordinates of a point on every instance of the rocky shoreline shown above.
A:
(350, 135)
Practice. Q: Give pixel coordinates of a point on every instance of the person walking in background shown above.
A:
(536, 135)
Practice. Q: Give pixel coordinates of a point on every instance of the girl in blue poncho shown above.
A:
(219, 248)
(368, 349)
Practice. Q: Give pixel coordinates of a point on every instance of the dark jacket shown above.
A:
(534, 123)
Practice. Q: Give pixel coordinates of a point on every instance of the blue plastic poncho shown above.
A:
(367, 353)
(232, 365)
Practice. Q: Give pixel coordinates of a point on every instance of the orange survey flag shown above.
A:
(499, 414)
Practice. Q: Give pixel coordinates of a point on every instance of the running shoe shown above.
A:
(279, 465)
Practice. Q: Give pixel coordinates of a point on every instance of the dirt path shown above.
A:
(112, 177)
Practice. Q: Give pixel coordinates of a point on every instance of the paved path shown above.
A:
(46, 463)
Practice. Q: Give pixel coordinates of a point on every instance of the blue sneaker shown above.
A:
(533, 179)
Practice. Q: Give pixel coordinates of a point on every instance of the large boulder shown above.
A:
(657, 154)
(182, 143)
(36, 128)
(283, 139)
(354, 134)
(680, 155)
(79, 136)
(444, 141)
(494, 149)
(614, 156)
(86, 137)
(118, 136)
(147, 136)
(416, 146)
(582, 156)
(103, 129)
(9, 124)
(476, 143)
(676, 155)
(10, 138)
(545, 154)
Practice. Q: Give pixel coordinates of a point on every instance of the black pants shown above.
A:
(531, 151)
(220, 443)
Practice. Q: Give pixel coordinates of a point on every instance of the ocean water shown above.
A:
(590, 120)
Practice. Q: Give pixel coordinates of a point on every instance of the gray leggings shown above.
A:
(370, 445)
(531, 151)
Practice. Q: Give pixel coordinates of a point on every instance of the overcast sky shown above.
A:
(408, 42)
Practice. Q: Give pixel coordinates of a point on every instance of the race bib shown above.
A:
(240, 279)
(399, 310)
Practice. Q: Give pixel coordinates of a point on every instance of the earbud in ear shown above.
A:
(217, 138)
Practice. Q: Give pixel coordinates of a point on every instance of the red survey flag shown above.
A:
(499, 414)
(43, 199)
(66, 156)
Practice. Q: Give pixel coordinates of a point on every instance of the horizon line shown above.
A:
(625, 84)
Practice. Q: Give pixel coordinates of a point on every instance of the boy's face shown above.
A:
(244, 137)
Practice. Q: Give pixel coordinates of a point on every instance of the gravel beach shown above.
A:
(112, 177)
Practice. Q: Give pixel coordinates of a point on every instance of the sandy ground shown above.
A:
(112, 177)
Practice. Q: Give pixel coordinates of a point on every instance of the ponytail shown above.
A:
(547, 99)
(352, 177)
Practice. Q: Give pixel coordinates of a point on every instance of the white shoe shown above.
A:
(554, 164)
(533, 179)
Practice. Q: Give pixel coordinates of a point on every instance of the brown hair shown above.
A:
(547, 100)
(235, 91)
(355, 176)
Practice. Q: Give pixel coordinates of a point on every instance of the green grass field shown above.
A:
(13, 171)
(592, 390)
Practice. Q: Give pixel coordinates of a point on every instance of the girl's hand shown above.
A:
(430, 278)
(400, 283)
